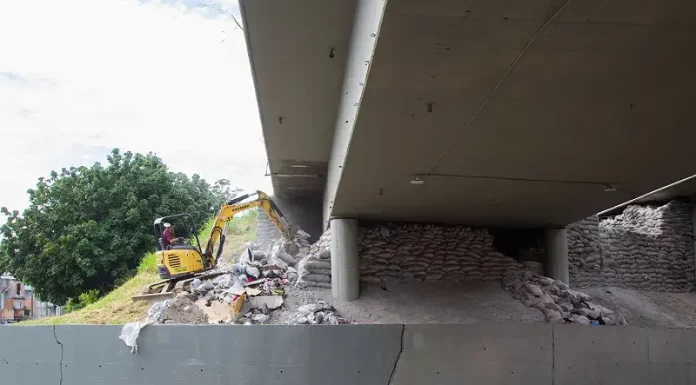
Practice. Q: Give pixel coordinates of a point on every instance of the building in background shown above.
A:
(18, 303)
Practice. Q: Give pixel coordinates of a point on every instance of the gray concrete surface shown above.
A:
(365, 34)
(534, 354)
(480, 354)
(532, 133)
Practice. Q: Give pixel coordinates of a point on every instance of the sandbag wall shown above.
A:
(645, 247)
(427, 252)
(584, 253)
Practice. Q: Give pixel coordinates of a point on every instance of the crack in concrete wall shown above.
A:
(60, 363)
(398, 357)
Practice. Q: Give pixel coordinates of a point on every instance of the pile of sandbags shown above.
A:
(315, 268)
(266, 230)
(645, 247)
(417, 253)
(584, 253)
(558, 303)
(649, 248)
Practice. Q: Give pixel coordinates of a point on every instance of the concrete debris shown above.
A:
(320, 313)
(558, 303)
(268, 302)
(249, 290)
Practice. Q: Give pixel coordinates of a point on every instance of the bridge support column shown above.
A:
(345, 280)
(557, 254)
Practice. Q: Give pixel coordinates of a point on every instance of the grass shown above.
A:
(117, 306)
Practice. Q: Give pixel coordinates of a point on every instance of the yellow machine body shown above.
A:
(185, 260)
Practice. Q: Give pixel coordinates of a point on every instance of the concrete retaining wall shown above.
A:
(481, 354)
(645, 247)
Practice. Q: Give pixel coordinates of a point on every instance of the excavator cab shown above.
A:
(181, 259)
(184, 227)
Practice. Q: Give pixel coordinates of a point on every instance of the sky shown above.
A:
(81, 77)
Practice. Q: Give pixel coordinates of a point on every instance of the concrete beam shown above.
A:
(557, 254)
(345, 278)
(366, 26)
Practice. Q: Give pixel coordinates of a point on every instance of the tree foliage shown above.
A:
(87, 228)
(223, 191)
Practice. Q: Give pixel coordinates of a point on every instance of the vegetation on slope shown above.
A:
(117, 306)
(86, 228)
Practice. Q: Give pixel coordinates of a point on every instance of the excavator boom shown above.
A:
(237, 205)
(179, 264)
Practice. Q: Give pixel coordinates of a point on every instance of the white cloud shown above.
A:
(79, 77)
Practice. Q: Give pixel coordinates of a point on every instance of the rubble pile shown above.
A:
(319, 313)
(645, 247)
(558, 303)
(315, 268)
(417, 253)
(249, 290)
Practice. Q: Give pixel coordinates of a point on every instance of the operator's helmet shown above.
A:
(166, 224)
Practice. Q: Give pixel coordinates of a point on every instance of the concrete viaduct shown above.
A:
(486, 113)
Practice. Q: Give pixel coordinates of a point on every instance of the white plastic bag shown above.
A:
(130, 333)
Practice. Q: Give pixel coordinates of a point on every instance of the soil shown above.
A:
(432, 303)
(648, 309)
(182, 310)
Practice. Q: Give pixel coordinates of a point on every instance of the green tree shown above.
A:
(87, 228)
(223, 191)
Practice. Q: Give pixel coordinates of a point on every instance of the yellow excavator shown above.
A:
(183, 260)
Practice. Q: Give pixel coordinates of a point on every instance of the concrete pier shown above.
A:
(345, 283)
(556, 241)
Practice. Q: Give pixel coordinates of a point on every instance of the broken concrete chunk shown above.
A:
(253, 272)
(314, 307)
(260, 318)
(194, 284)
(272, 302)
(204, 287)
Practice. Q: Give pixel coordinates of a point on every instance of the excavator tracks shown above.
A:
(169, 288)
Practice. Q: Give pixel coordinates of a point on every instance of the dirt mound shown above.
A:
(183, 310)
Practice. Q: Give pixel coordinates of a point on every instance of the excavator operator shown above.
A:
(168, 239)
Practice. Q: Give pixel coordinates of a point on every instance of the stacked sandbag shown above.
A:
(426, 252)
(315, 268)
(266, 231)
(584, 253)
(558, 303)
(650, 248)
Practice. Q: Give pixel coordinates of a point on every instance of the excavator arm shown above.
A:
(235, 206)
